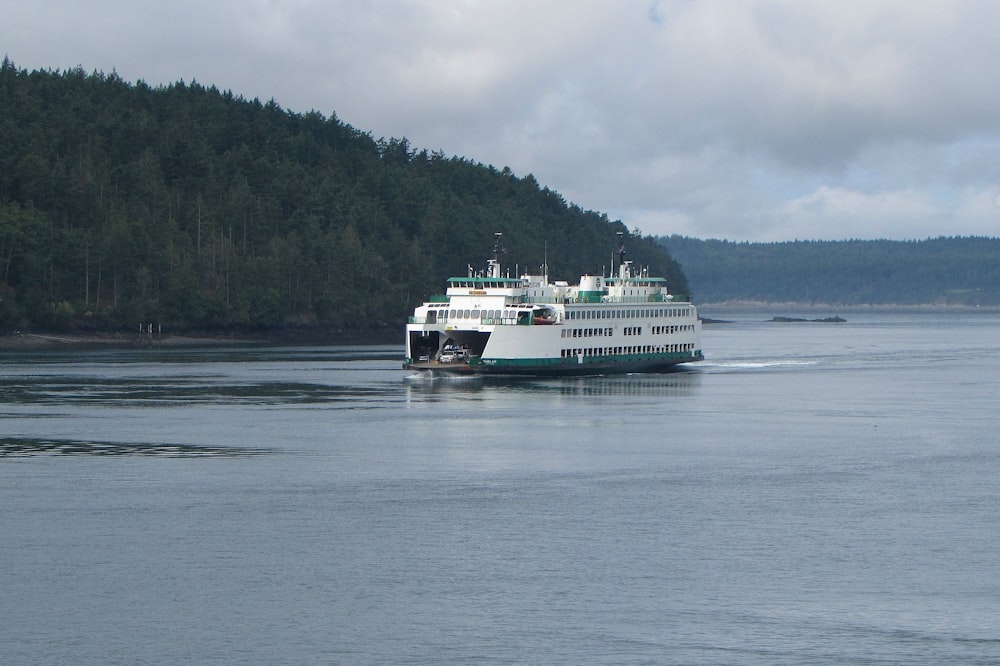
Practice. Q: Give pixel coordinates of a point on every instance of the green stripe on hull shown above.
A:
(619, 363)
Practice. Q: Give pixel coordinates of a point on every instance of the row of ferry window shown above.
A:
(485, 284)
(474, 314)
(627, 313)
(637, 349)
(570, 314)
(627, 330)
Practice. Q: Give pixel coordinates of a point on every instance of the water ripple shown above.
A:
(156, 392)
(17, 447)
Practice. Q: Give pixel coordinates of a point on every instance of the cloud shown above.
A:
(842, 213)
(748, 120)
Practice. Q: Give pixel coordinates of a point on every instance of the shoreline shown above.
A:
(864, 307)
(42, 341)
(45, 340)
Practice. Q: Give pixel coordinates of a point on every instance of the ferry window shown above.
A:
(475, 314)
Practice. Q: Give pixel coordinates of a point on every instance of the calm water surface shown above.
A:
(812, 493)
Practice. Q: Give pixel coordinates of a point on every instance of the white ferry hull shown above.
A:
(526, 367)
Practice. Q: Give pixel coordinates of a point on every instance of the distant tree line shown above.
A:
(198, 209)
(947, 270)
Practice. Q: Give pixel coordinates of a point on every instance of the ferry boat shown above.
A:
(487, 323)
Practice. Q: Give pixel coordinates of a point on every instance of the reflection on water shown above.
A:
(150, 392)
(15, 447)
(679, 383)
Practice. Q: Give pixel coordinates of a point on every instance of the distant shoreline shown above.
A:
(65, 340)
(46, 340)
(861, 307)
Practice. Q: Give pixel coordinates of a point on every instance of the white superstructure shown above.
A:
(487, 323)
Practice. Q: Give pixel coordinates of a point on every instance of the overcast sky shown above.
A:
(740, 119)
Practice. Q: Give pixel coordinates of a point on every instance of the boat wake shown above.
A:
(441, 376)
(752, 365)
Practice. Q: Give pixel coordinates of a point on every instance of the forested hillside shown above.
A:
(959, 271)
(123, 203)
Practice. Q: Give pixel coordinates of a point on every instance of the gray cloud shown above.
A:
(754, 120)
